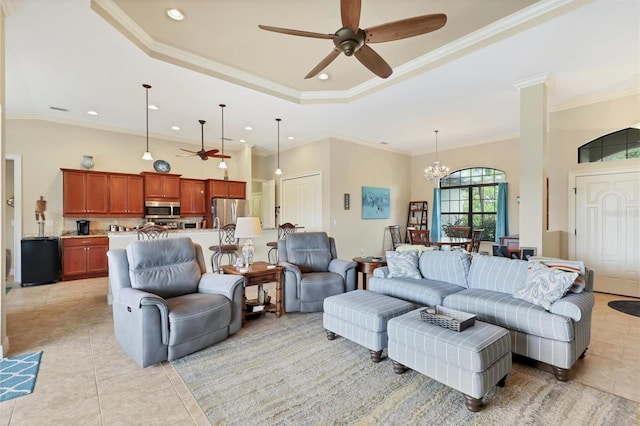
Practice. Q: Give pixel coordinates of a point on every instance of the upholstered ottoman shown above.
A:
(361, 316)
(471, 361)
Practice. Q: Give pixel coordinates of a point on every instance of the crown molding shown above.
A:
(501, 29)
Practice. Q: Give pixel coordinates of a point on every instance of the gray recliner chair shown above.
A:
(312, 271)
(165, 304)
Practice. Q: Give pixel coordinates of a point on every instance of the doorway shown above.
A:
(13, 214)
(606, 212)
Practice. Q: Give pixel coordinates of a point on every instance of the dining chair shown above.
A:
(227, 246)
(476, 239)
(153, 232)
(460, 231)
(419, 236)
(396, 238)
(284, 231)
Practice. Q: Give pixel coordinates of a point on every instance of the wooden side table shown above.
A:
(259, 273)
(366, 265)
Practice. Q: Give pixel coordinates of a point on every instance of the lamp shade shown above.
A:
(248, 227)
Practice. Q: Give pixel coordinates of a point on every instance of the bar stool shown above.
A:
(227, 246)
(284, 231)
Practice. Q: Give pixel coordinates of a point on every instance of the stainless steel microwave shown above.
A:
(161, 210)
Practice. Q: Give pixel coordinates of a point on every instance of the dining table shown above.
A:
(451, 241)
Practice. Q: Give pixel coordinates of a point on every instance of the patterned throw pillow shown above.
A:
(544, 285)
(403, 264)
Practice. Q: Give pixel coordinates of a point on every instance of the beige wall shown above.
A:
(502, 155)
(572, 128)
(346, 167)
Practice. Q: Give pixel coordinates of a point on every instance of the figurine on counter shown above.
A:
(41, 207)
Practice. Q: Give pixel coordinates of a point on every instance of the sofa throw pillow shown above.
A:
(578, 285)
(403, 264)
(544, 285)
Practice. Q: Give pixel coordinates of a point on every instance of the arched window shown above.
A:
(469, 197)
(618, 145)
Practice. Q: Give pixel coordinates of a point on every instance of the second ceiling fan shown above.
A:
(352, 40)
(203, 154)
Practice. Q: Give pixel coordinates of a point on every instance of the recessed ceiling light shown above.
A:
(248, 128)
(176, 128)
(323, 76)
(290, 138)
(242, 140)
(175, 14)
(92, 112)
(153, 107)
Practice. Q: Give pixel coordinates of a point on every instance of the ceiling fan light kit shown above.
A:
(147, 155)
(437, 171)
(352, 40)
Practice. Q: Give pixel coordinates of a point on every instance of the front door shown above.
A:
(607, 238)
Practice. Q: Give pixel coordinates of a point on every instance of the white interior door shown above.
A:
(301, 202)
(268, 206)
(607, 236)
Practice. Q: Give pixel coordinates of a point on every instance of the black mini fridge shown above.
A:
(40, 260)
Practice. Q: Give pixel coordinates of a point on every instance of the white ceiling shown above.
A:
(78, 56)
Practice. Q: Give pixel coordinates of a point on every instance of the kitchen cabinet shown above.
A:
(192, 197)
(226, 189)
(85, 193)
(161, 187)
(126, 195)
(84, 257)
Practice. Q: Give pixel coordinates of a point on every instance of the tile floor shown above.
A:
(85, 378)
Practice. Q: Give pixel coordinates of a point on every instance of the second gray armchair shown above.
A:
(312, 271)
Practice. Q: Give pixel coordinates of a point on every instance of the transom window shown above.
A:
(619, 145)
(469, 197)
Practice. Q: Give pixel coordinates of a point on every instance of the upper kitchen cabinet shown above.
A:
(226, 189)
(126, 195)
(192, 197)
(161, 187)
(85, 193)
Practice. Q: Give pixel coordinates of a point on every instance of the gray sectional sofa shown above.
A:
(484, 286)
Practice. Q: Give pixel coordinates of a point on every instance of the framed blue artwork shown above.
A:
(375, 203)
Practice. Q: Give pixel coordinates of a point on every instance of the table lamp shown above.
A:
(248, 227)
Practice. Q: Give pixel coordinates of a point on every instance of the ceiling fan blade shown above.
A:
(350, 14)
(296, 32)
(211, 152)
(405, 28)
(220, 156)
(324, 63)
(193, 152)
(370, 59)
(186, 155)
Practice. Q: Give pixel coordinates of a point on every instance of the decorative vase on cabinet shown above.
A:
(87, 162)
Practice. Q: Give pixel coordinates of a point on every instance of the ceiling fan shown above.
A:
(352, 40)
(204, 155)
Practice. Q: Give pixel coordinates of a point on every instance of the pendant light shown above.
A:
(147, 155)
(222, 164)
(437, 171)
(278, 170)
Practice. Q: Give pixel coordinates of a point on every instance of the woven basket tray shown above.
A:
(447, 318)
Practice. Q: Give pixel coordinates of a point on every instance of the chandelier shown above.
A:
(437, 171)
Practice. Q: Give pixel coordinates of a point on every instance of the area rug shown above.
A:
(291, 374)
(631, 307)
(18, 375)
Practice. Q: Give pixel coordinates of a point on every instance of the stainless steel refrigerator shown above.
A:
(225, 211)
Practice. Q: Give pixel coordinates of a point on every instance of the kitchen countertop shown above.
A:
(74, 234)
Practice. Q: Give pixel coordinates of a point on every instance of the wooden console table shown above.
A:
(259, 273)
